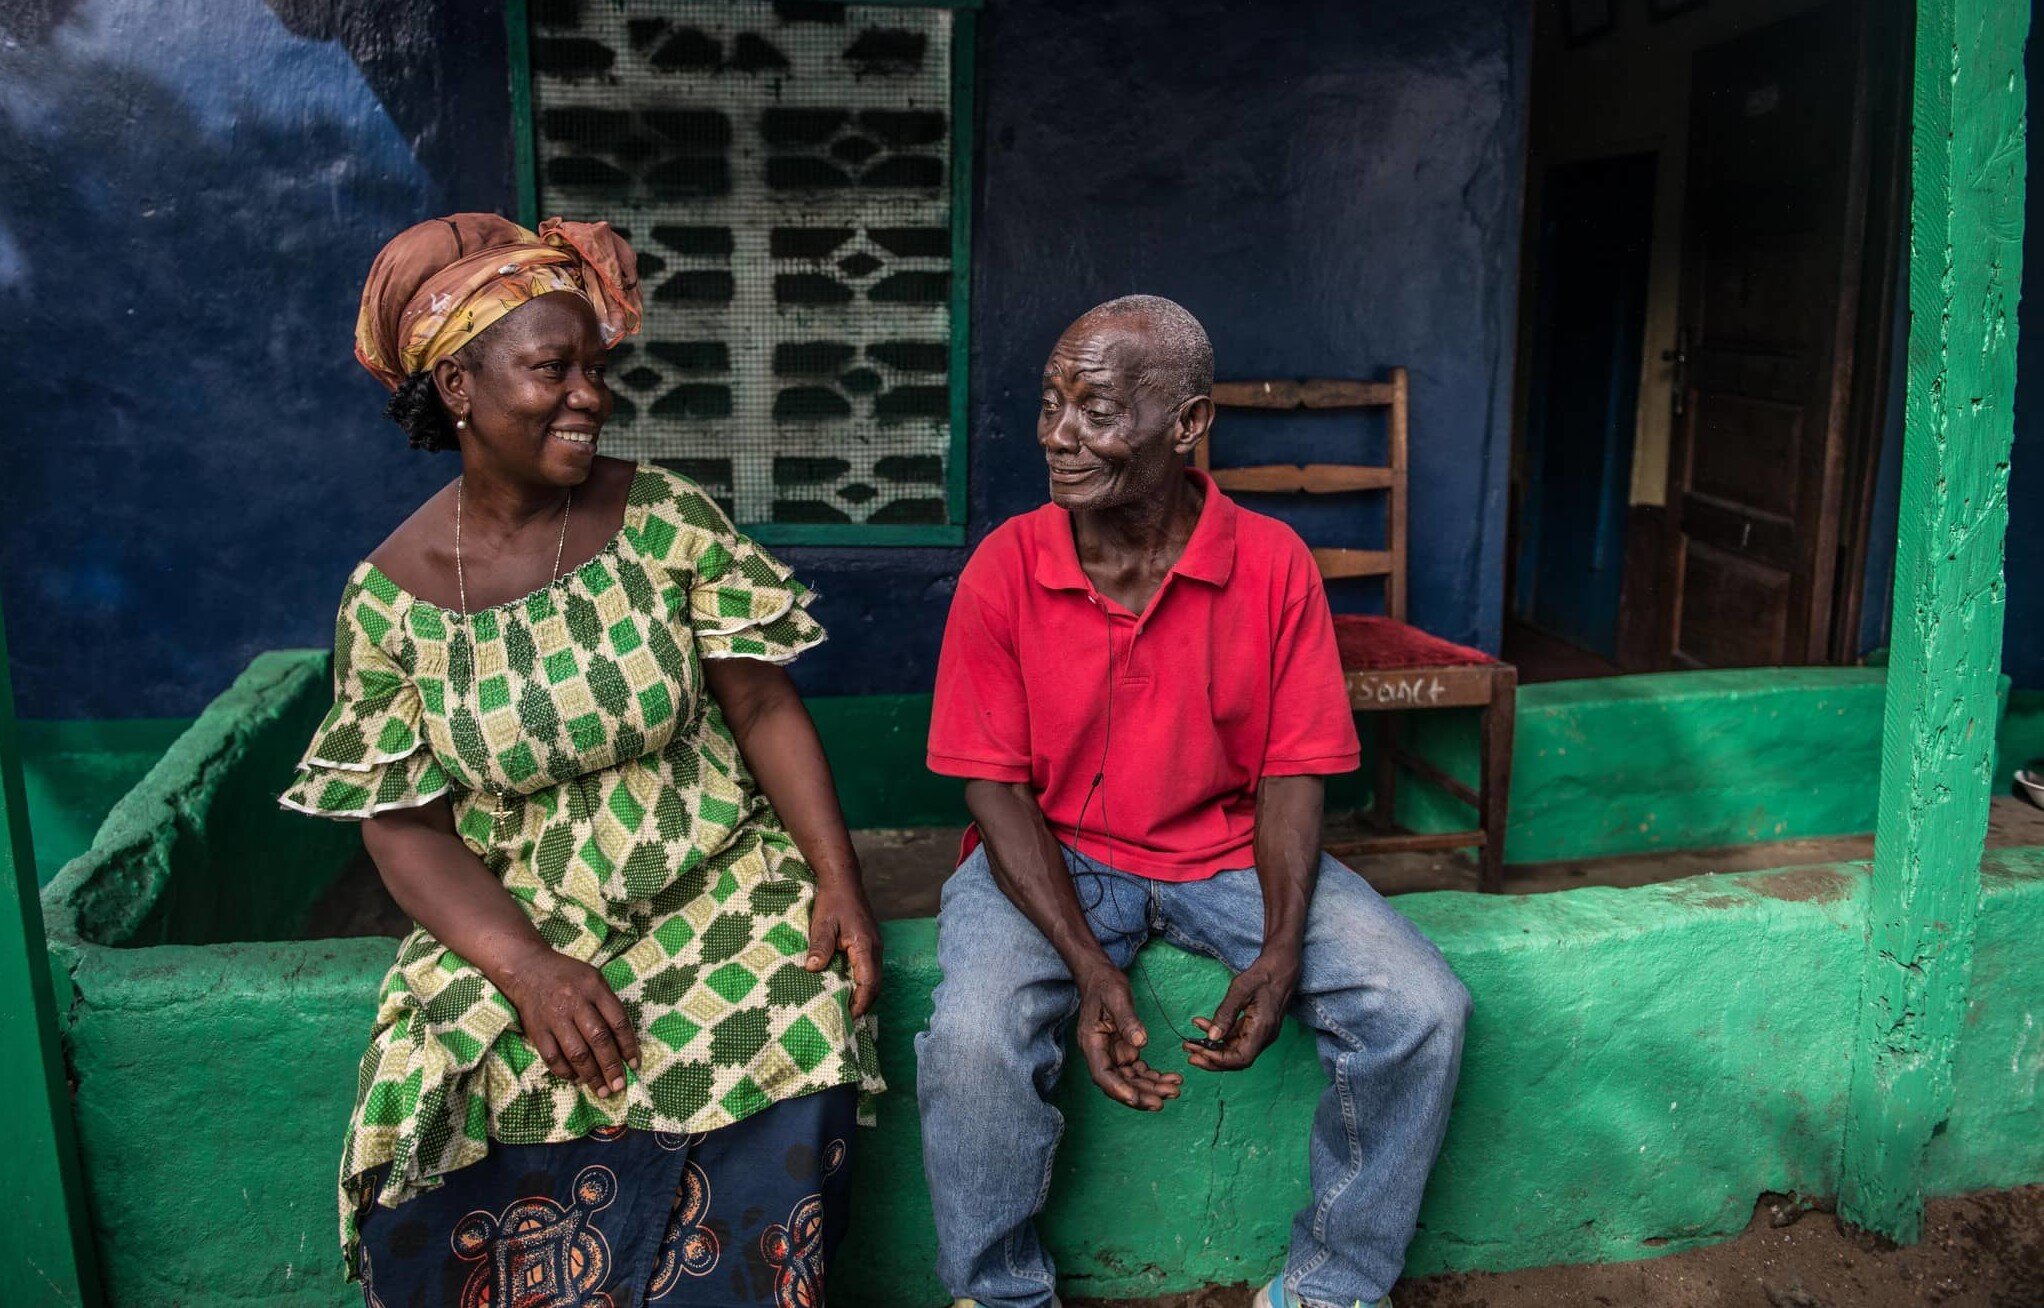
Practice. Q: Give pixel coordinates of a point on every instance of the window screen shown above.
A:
(785, 170)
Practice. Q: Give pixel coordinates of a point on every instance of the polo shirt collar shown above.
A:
(1209, 556)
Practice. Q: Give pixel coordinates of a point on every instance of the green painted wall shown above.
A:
(47, 1248)
(1991, 1136)
(875, 744)
(76, 771)
(1677, 760)
(1620, 765)
(1622, 1085)
(2021, 736)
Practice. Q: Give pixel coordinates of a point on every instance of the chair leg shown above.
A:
(1495, 790)
(1384, 803)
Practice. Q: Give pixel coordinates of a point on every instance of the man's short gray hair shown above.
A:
(1183, 363)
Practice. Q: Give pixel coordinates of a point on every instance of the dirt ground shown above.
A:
(1978, 1251)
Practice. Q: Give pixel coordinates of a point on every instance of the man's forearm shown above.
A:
(1288, 813)
(1030, 869)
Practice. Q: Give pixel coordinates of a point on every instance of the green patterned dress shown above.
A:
(591, 771)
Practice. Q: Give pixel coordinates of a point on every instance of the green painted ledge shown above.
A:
(1624, 1093)
(190, 854)
(1642, 1062)
(1674, 760)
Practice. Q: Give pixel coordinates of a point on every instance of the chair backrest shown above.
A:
(1329, 478)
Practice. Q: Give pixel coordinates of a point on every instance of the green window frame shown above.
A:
(963, 46)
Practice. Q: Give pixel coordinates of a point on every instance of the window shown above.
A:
(795, 178)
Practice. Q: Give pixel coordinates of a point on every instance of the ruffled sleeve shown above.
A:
(368, 755)
(742, 602)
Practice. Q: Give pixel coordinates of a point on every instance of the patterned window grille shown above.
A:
(794, 176)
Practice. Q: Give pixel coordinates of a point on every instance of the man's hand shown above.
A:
(1112, 1040)
(1249, 1016)
(841, 921)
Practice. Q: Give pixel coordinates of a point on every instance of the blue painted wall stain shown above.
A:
(190, 194)
(191, 191)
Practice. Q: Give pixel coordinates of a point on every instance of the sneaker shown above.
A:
(1274, 1295)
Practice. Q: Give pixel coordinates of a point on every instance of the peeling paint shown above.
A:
(1812, 885)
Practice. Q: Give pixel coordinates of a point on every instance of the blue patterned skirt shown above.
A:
(746, 1215)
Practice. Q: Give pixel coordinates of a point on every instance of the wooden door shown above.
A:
(1775, 220)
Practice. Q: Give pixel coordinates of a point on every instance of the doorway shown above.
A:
(1707, 339)
(1596, 228)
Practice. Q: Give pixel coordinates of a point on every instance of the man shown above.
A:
(1140, 687)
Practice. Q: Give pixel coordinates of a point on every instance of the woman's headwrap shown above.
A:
(439, 285)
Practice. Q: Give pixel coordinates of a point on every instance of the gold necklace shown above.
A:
(461, 578)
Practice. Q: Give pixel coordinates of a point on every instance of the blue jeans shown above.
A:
(1386, 1013)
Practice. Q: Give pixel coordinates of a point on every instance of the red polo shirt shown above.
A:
(1228, 677)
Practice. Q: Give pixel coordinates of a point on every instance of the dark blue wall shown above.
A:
(2023, 641)
(190, 194)
(188, 207)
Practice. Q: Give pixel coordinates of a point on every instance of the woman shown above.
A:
(620, 1057)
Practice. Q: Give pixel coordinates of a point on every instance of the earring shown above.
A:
(461, 424)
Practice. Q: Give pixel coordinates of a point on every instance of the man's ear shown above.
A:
(1195, 418)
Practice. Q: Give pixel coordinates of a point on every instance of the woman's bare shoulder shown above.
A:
(421, 549)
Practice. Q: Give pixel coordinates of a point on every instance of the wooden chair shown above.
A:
(1391, 667)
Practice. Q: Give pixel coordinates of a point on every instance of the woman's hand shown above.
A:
(841, 921)
(574, 1022)
(781, 747)
(565, 1008)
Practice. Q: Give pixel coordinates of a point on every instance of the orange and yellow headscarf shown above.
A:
(441, 284)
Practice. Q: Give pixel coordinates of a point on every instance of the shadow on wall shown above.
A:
(189, 193)
(418, 59)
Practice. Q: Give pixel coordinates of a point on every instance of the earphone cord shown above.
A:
(1104, 882)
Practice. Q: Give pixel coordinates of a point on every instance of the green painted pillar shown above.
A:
(46, 1241)
(1937, 748)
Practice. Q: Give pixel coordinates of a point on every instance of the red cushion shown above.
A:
(1372, 643)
